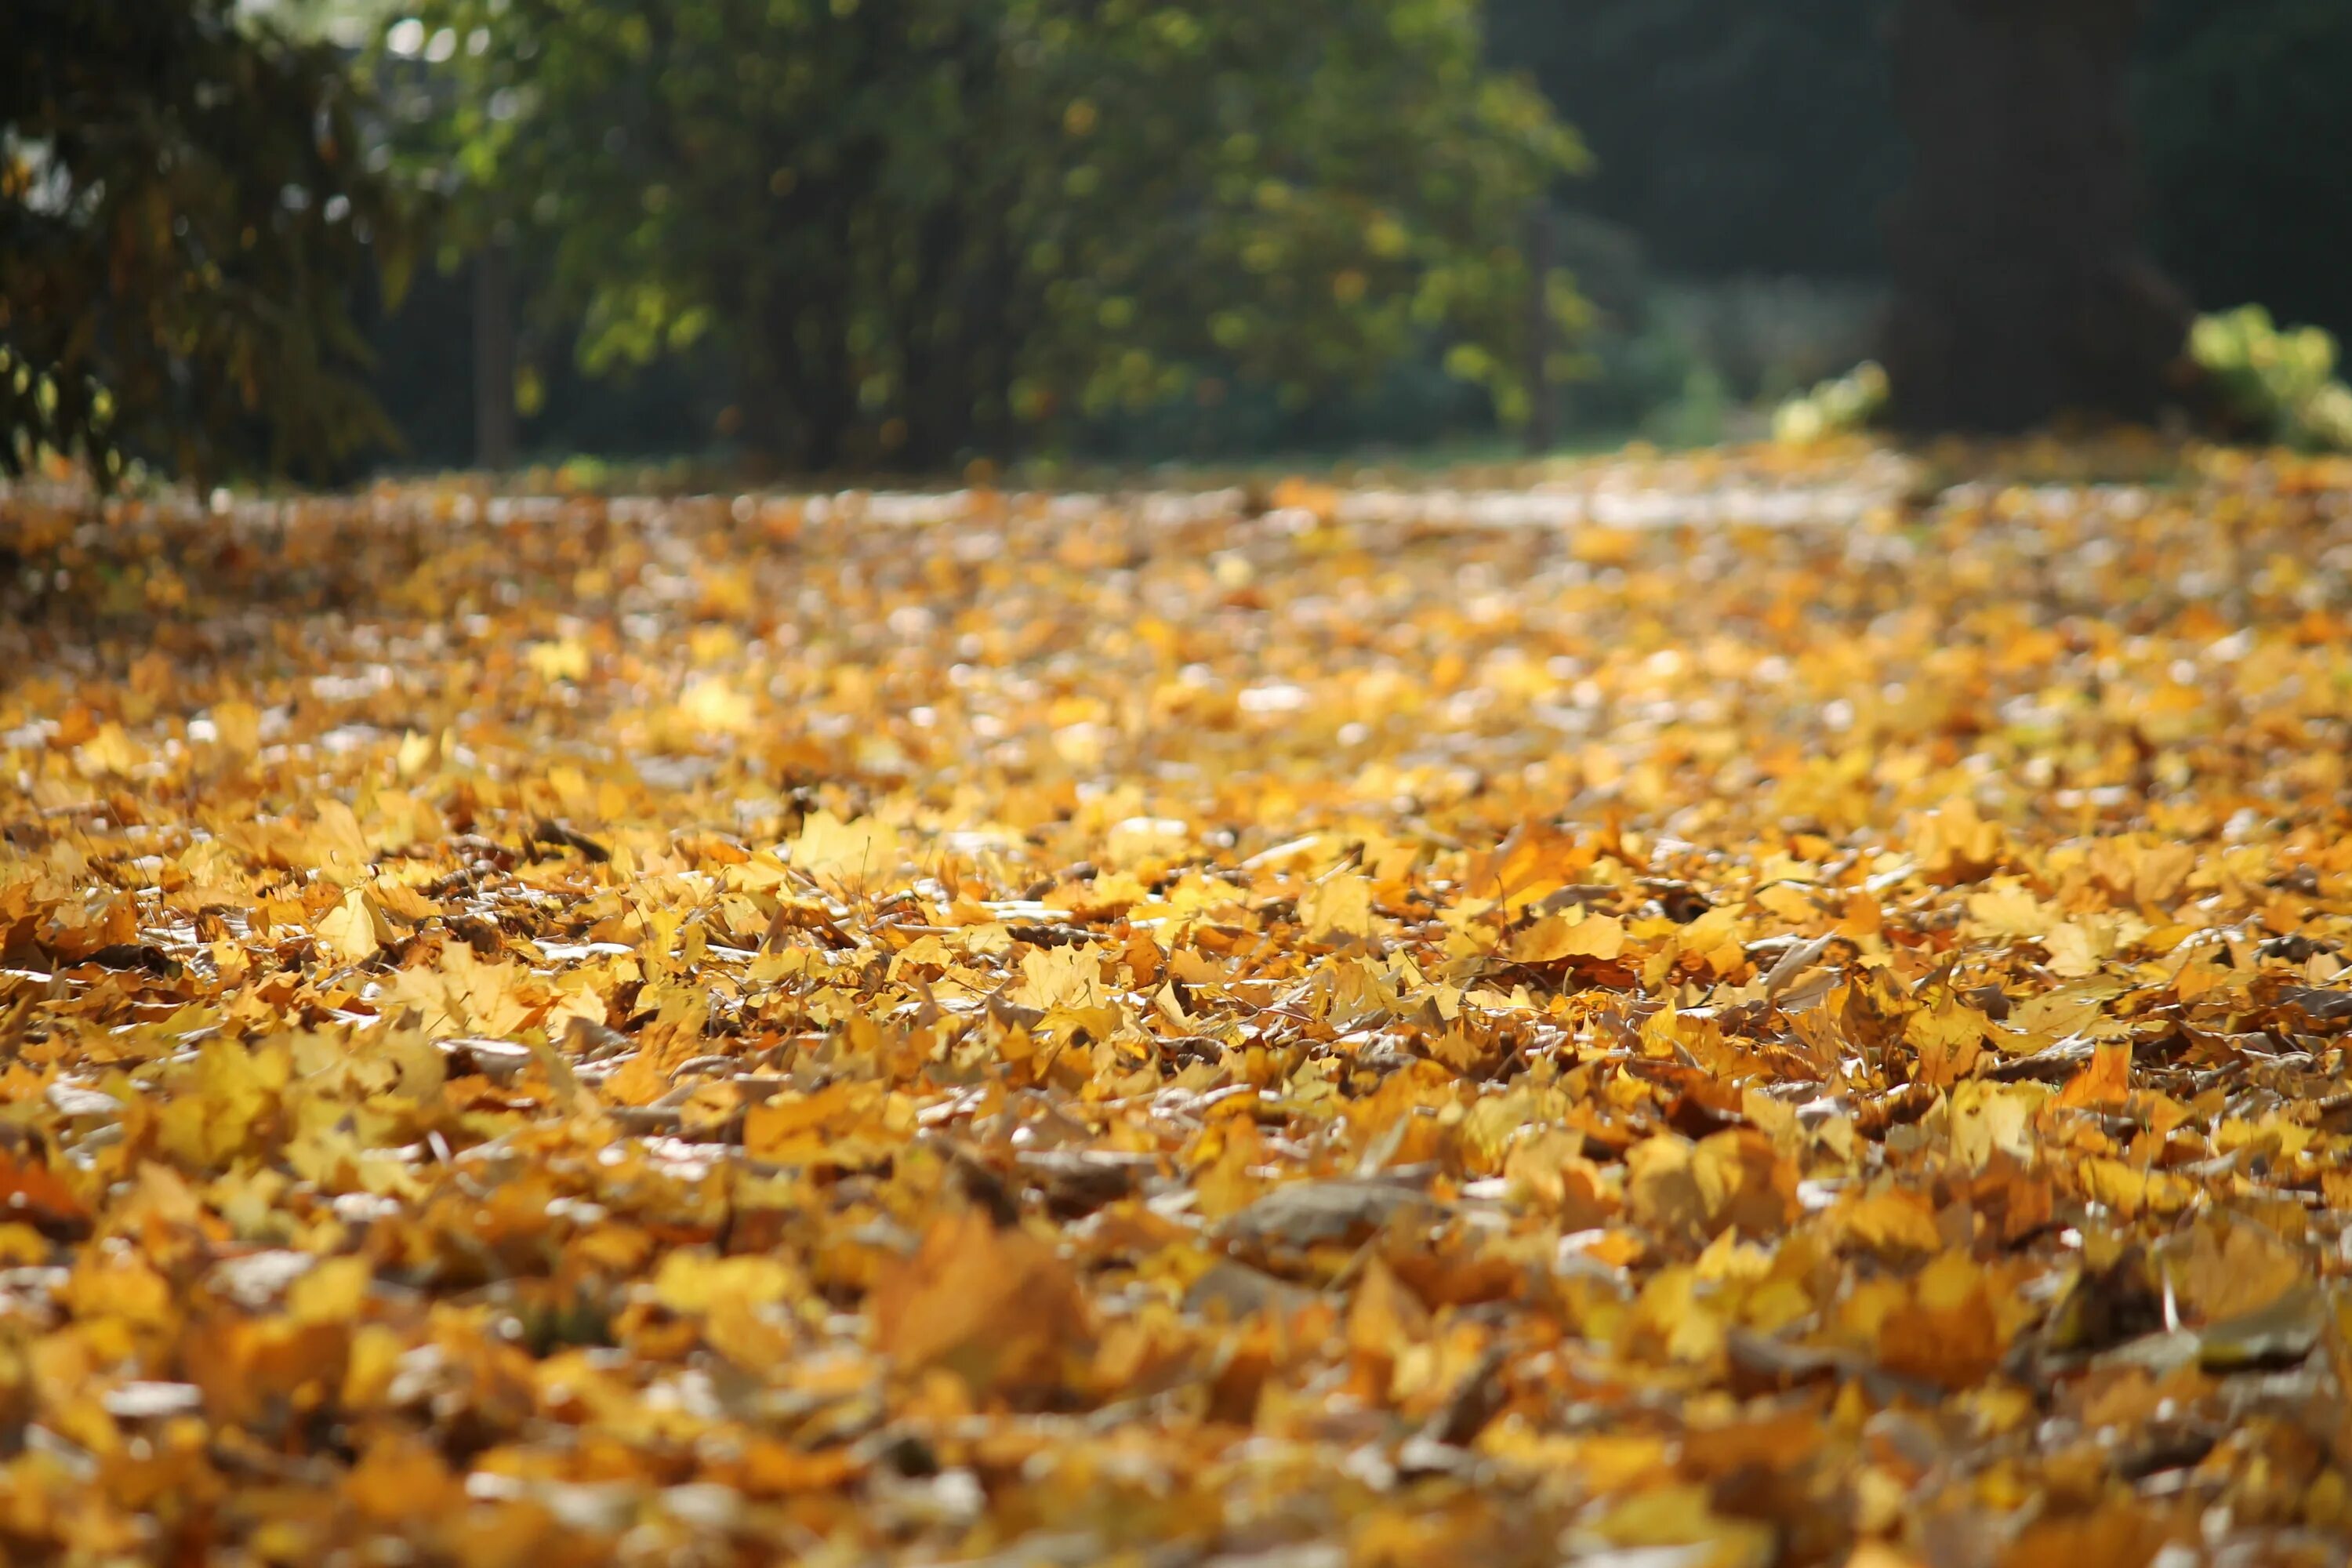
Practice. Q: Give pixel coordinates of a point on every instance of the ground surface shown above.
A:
(1724, 1005)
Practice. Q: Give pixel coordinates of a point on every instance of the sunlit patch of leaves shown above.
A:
(1715, 1004)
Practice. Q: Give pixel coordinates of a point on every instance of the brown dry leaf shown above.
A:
(1385, 1318)
(2232, 1266)
(2115, 1534)
(837, 1123)
(1744, 1183)
(995, 1306)
(971, 1026)
(31, 1195)
(1662, 1190)
(1894, 1221)
(399, 1478)
(1948, 1332)
(1954, 845)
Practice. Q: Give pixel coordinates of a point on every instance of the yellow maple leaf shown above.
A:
(354, 931)
(566, 659)
(2076, 947)
(110, 751)
(694, 1279)
(2007, 911)
(330, 1292)
(237, 726)
(1556, 937)
(1949, 1040)
(1060, 978)
(1989, 1118)
(858, 854)
(460, 994)
(1339, 906)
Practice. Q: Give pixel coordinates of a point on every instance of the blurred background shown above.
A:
(823, 236)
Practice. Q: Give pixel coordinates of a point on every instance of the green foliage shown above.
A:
(183, 217)
(2281, 383)
(1839, 406)
(916, 227)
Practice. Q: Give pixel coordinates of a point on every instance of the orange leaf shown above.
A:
(33, 1195)
(997, 1307)
(2107, 1081)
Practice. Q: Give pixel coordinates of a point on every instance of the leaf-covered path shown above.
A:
(1795, 1020)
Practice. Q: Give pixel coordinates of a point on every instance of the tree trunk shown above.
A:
(2021, 292)
(494, 360)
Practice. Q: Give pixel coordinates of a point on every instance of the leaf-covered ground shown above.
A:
(1726, 1011)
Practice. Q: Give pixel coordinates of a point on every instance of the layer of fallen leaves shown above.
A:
(1713, 1012)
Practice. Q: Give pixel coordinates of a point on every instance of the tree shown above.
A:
(184, 220)
(2021, 289)
(920, 228)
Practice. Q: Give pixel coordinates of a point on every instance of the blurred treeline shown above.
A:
(899, 233)
(1744, 155)
(1727, 234)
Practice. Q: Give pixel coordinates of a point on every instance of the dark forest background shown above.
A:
(1729, 233)
(1326, 229)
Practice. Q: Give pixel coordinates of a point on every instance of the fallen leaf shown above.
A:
(995, 1306)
